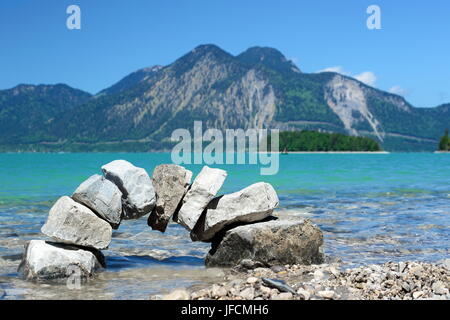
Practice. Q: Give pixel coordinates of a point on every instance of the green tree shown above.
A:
(444, 144)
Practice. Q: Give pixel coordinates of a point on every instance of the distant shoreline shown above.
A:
(333, 152)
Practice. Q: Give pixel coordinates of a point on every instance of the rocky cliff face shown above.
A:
(259, 88)
(347, 98)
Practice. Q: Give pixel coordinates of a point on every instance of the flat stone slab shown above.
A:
(277, 242)
(101, 196)
(204, 188)
(252, 204)
(72, 223)
(48, 261)
(138, 194)
(171, 183)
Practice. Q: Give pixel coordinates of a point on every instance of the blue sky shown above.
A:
(409, 55)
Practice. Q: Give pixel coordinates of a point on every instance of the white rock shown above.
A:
(178, 294)
(252, 280)
(283, 296)
(319, 275)
(438, 287)
(265, 290)
(218, 291)
(305, 294)
(248, 293)
(138, 194)
(203, 189)
(326, 294)
(101, 196)
(72, 223)
(446, 263)
(46, 261)
(252, 204)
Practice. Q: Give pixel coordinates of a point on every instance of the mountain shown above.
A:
(257, 88)
(26, 110)
(131, 80)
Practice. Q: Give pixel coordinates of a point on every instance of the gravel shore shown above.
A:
(389, 281)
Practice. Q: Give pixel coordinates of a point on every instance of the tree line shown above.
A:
(319, 141)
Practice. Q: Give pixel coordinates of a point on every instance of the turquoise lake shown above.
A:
(372, 208)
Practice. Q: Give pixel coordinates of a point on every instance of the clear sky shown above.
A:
(409, 55)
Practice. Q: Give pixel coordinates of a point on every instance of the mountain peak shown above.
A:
(204, 52)
(208, 49)
(131, 80)
(269, 57)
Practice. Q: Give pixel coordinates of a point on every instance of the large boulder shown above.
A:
(138, 195)
(171, 183)
(101, 196)
(202, 191)
(277, 242)
(72, 223)
(48, 261)
(252, 204)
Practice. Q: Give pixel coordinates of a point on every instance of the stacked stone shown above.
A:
(239, 226)
(81, 225)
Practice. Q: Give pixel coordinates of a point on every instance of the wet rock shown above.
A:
(171, 183)
(179, 294)
(48, 261)
(251, 204)
(280, 285)
(138, 195)
(249, 264)
(271, 243)
(102, 197)
(72, 223)
(202, 191)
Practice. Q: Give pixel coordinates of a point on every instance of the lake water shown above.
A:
(372, 208)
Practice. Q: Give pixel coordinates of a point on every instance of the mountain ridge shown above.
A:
(257, 88)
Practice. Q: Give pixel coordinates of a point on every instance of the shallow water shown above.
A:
(372, 208)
